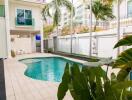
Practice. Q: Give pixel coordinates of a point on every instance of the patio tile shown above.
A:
(21, 87)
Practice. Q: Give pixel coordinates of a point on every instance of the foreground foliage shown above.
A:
(124, 60)
(92, 84)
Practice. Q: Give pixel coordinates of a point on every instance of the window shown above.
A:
(2, 11)
(24, 17)
(129, 8)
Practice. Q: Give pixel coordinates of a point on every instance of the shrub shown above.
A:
(92, 83)
(50, 50)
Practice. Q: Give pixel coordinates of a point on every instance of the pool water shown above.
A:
(47, 69)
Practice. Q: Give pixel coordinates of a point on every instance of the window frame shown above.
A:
(24, 16)
(24, 12)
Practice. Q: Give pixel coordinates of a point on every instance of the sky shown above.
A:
(69, 0)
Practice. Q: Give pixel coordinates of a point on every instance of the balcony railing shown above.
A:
(2, 11)
(24, 22)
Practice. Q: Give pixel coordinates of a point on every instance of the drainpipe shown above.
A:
(90, 31)
(8, 37)
(118, 25)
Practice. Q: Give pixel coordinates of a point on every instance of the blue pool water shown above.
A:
(48, 68)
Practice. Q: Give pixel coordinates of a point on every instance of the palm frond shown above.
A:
(56, 17)
(69, 6)
(46, 10)
(102, 12)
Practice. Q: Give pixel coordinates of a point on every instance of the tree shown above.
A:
(65, 30)
(47, 30)
(53, 9)
(101, 11)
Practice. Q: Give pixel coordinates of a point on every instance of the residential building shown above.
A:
(82, 16)
(125, 14)
(20, 21)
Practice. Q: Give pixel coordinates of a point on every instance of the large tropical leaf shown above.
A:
(79, 82)
(124, 61)
(91, 83)
(125, 58)
(126, 41)
(122, 85)
(123, 73)
(63, 87)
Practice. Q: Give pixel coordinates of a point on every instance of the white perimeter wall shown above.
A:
(103, 42)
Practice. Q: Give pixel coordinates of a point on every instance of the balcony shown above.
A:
(2, 11)
(124, 22)
(24, 22)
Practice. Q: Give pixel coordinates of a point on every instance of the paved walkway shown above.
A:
(20, 87)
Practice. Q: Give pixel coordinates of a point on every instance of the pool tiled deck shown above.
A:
(20, 87)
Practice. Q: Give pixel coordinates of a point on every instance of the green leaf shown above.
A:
(63, 87)
(79, 82)
(124, 60)
(126, 41)
(123, 84)
(123, 73)
(110, 92)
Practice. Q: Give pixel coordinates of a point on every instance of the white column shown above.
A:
(118, 25)
(42, 38)
(71, 29)
(90, 31)
(7, 28)
(33, 41)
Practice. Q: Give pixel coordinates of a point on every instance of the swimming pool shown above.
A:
(47, 68)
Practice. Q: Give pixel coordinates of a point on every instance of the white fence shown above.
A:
(102, 43)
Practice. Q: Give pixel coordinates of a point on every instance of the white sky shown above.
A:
(69, 0)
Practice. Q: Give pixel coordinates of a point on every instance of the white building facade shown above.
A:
(20, 21)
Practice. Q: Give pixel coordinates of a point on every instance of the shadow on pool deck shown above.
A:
(2, 81)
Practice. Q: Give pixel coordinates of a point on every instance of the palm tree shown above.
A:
(53, 10)
(101, 11)
(90, 29)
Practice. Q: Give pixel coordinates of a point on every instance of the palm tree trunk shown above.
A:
(95, 25)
